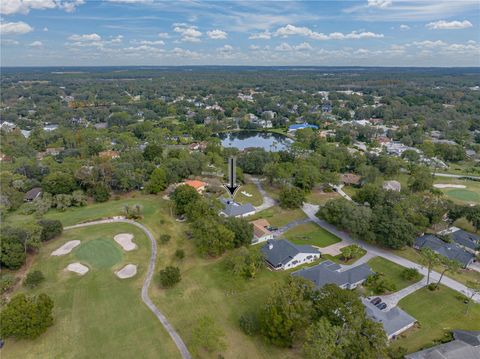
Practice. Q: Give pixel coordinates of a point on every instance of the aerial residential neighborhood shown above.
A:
(240, 179)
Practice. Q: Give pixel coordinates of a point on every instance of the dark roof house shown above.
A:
(329, 272)
(33, 194)
(466, 345)
(450, 250)
(234, 209)
(282, 254)
(394, 321)
(466, 239)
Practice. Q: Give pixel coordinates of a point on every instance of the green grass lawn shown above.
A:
(350, 190)
(317, 196)
(468, 195)
(463, 275)
(96, 315)
(390, 270)
(249, 188)
(278, 216)
(339, 258)
(437, 313)
(310, 233)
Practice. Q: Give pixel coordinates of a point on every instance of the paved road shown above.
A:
(311, 209)
(151, 267)
(267, 200)
(454, 176)
(392, 299)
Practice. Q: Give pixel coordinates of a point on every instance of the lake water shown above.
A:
(272, 142)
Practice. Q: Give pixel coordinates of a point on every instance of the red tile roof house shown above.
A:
(198, 185)
(109, 154)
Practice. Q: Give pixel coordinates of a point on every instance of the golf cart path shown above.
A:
(151, 268)
(267, 200)
(311, 209)
(455, 176)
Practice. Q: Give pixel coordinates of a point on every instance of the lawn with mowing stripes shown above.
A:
(312, 234)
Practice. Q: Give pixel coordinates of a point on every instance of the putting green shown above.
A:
(463, 195)
(99, 253)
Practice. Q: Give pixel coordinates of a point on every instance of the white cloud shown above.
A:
(9, 42)
(429, 44)
(151, 43)
(188, 33)
(45, 29)
(284, 47)
(15, 28)
(85, 37)
(217, 34)
(266, 35)
(254, 47)
(404, 27)
(379, 3)
(163, 35)
(131, 1)
(303, 46)
(185, 53)
(9, 7)
(291, 30)
(448, 25)
(36, 44)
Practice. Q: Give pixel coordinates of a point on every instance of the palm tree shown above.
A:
(448, 265)
(430, 259)
(474, 286)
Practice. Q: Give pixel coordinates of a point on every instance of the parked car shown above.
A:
(376, 300)
(381, 306)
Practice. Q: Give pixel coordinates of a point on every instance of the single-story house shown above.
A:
(450, 250)
(283, 254)
(234, 209)
(198, 185)
(350, 179)
(197, 146)
(301, 126)
(468, 241)
(33, 194)
(392, 186)
(466, 345)
(329, 272)
(261, 232)
(395, 321)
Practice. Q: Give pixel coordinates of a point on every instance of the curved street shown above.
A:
(146, 284)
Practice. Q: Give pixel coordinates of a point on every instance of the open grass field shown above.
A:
(463, 275)
(468, 195)
(437, 313)
(390, 270)
(312, 234)
(249, 188)
(278, 216)
(96, 315)
(317, 196)
(339, 258)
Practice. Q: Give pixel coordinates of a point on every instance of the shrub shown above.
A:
(26, 317)
(51, 228)
(33, 279)
(433, 286)
(379, 284)
(101, 193)
(180, 253)
(291, 197)
(165, 238)
(169, 276)
(133, 212)
(411, 274)
(6, 283)
(249, 323)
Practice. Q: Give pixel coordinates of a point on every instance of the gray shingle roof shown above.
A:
(234, 209)
(280, 251)
(466, 239)
(450, 250)
(456, 349)
(468, 336)
(33, 193)
(329, 273)
(392, 320)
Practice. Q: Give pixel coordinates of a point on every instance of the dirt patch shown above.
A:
(127, 272)
(78, 268)
(125, 241)
(66, 248)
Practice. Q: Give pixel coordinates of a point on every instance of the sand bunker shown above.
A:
(78, 268)
(66, 248)
(127, 272)
(125, 240)
(441, 185)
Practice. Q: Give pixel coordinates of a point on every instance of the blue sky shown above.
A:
(150, 32)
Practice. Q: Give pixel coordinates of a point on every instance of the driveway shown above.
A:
(392, 299)
(311, 209)
(267, 200)
(339, 190)
(148, 279)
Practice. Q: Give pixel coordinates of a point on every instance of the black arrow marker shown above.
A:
(232, 187)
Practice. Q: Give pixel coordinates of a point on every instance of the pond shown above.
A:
(272, 142)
